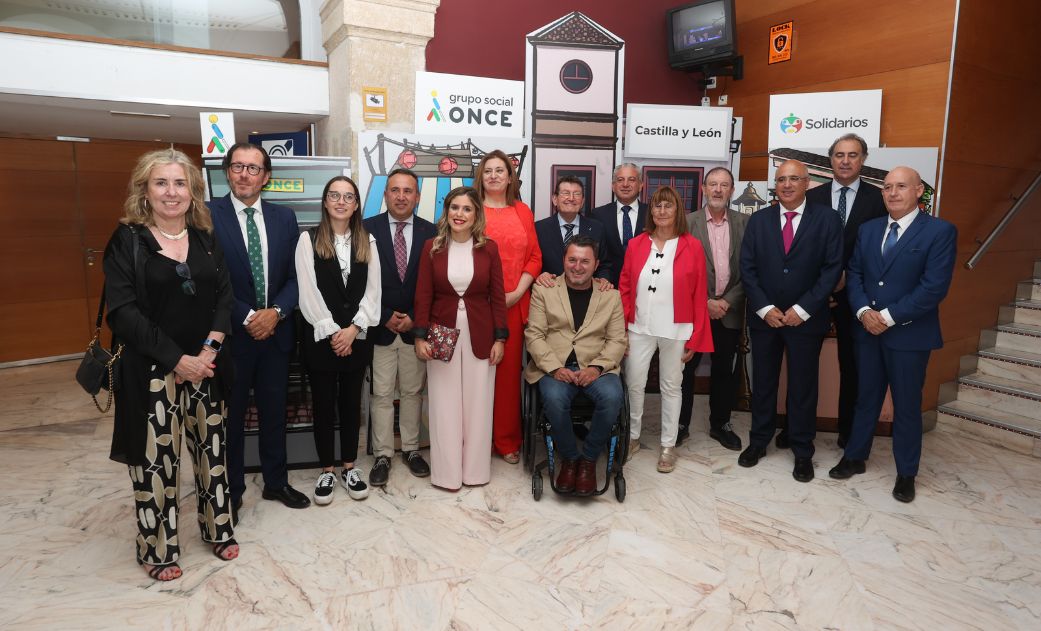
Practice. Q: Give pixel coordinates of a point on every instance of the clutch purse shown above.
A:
(442, 341)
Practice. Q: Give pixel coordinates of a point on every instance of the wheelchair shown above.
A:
(536, 429)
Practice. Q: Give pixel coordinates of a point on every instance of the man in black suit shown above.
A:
(622, 218)
(400, 236)
(555, 231)
(259, 241)
(855, 201)
(791, 259)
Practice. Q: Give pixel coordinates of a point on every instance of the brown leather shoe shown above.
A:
(585, 479)
(566, 476)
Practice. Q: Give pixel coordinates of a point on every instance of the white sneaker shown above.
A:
(323, 488)
(356, 487)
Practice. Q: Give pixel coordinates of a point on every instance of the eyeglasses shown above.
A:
(252, 169)
(570, 194)
(333, 196)
(794, 179)
(188, 286)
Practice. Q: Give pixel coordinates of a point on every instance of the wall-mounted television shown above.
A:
(700, 32)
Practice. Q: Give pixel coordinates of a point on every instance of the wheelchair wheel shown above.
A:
(619, 487)
(536, 486)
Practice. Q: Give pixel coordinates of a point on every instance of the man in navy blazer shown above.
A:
(394, 361)
(627, 208)
(856, 202)
(900, 272)
(259, 241)
(791, 259)
(568, 197)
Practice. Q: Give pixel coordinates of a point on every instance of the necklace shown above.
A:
(174, 237)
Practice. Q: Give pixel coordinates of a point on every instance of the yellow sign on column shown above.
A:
(781, 42)
(374, 105)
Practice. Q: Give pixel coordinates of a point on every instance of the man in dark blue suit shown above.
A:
(856, 202)
(791, 259)
(900, 272)
(622, 218)
(400, 235)
(259, 241)
(556, 230)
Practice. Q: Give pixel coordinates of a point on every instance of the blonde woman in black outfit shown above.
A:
(169, 303)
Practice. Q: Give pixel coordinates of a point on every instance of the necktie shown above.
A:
(570, 232)
(400, 250)
(842, 203)
(788, 232)
(894, 234)
(256, 257)
(627, 225)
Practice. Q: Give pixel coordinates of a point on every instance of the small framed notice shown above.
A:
(374, 105)
(781, 42)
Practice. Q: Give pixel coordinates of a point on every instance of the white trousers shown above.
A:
(670, 379)
(396, 365)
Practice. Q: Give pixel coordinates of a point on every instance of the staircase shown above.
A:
(998, 396)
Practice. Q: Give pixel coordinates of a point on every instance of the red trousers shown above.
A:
(506, 429)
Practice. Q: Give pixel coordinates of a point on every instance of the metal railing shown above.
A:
(998, 229)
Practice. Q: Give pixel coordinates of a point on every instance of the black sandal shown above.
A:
(221, 547)
(157, 571)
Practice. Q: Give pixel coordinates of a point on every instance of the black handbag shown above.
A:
(100, 366)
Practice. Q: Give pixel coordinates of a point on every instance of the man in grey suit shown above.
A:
(720, 230)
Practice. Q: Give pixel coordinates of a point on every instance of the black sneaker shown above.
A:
(380, 471)
(356, 487)
(324, 487)
(416, 464)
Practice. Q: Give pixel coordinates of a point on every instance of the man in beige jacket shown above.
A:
(576, 340)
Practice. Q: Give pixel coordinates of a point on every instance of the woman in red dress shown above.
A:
(511, 225)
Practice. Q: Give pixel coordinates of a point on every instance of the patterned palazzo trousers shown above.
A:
(156, 492)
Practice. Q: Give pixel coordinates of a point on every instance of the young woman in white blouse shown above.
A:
(338, 271)
(665, 298)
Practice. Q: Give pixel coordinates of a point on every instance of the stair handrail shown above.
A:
(998, 229)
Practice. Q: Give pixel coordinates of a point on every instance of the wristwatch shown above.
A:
(278, 310)
(212, 344)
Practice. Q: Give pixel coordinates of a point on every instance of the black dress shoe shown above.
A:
(904, 488)
(803, 471)
(683, 434)
(847, 468)
(288, 496)
(750, 456)
(416, 464)
(725, 436)
(782, 439)
(842, 441)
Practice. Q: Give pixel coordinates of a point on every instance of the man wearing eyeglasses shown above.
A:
(259, 239)
(556, 231)
(400, 235)
(791, 259)
(623, 218)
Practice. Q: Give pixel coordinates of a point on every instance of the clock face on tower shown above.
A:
(576, 76)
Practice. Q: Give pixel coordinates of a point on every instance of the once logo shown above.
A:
(791, 124)
(435, 112)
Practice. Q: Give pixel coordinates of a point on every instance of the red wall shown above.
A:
(486, 39)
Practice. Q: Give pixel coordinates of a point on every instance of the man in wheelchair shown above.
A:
(576, 340)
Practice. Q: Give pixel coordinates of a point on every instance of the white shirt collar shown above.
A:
(635, 205)
(853, 186)
(562, 223)
(240, 207)
(394, 221)
(799, 210)
(904, 222)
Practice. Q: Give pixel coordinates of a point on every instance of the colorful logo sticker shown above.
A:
(435, 112)
(217, 140)
(791, 124)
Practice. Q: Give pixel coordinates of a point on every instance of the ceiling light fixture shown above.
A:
(142, 114)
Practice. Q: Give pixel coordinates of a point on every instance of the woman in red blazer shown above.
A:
(460, 287)
(663, 286)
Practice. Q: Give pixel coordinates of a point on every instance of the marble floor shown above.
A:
(710, 546)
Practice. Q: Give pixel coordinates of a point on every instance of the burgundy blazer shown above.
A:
(485, 299)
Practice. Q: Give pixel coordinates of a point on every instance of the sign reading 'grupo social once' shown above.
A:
(814, 119)
(462, 105)
(676, 131)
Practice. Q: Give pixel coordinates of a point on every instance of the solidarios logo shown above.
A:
(791, 124)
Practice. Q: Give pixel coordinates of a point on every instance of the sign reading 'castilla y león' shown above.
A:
(675, 131)
(449, 104)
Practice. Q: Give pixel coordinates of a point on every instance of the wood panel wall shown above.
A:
(993, 152)
(900, 46)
